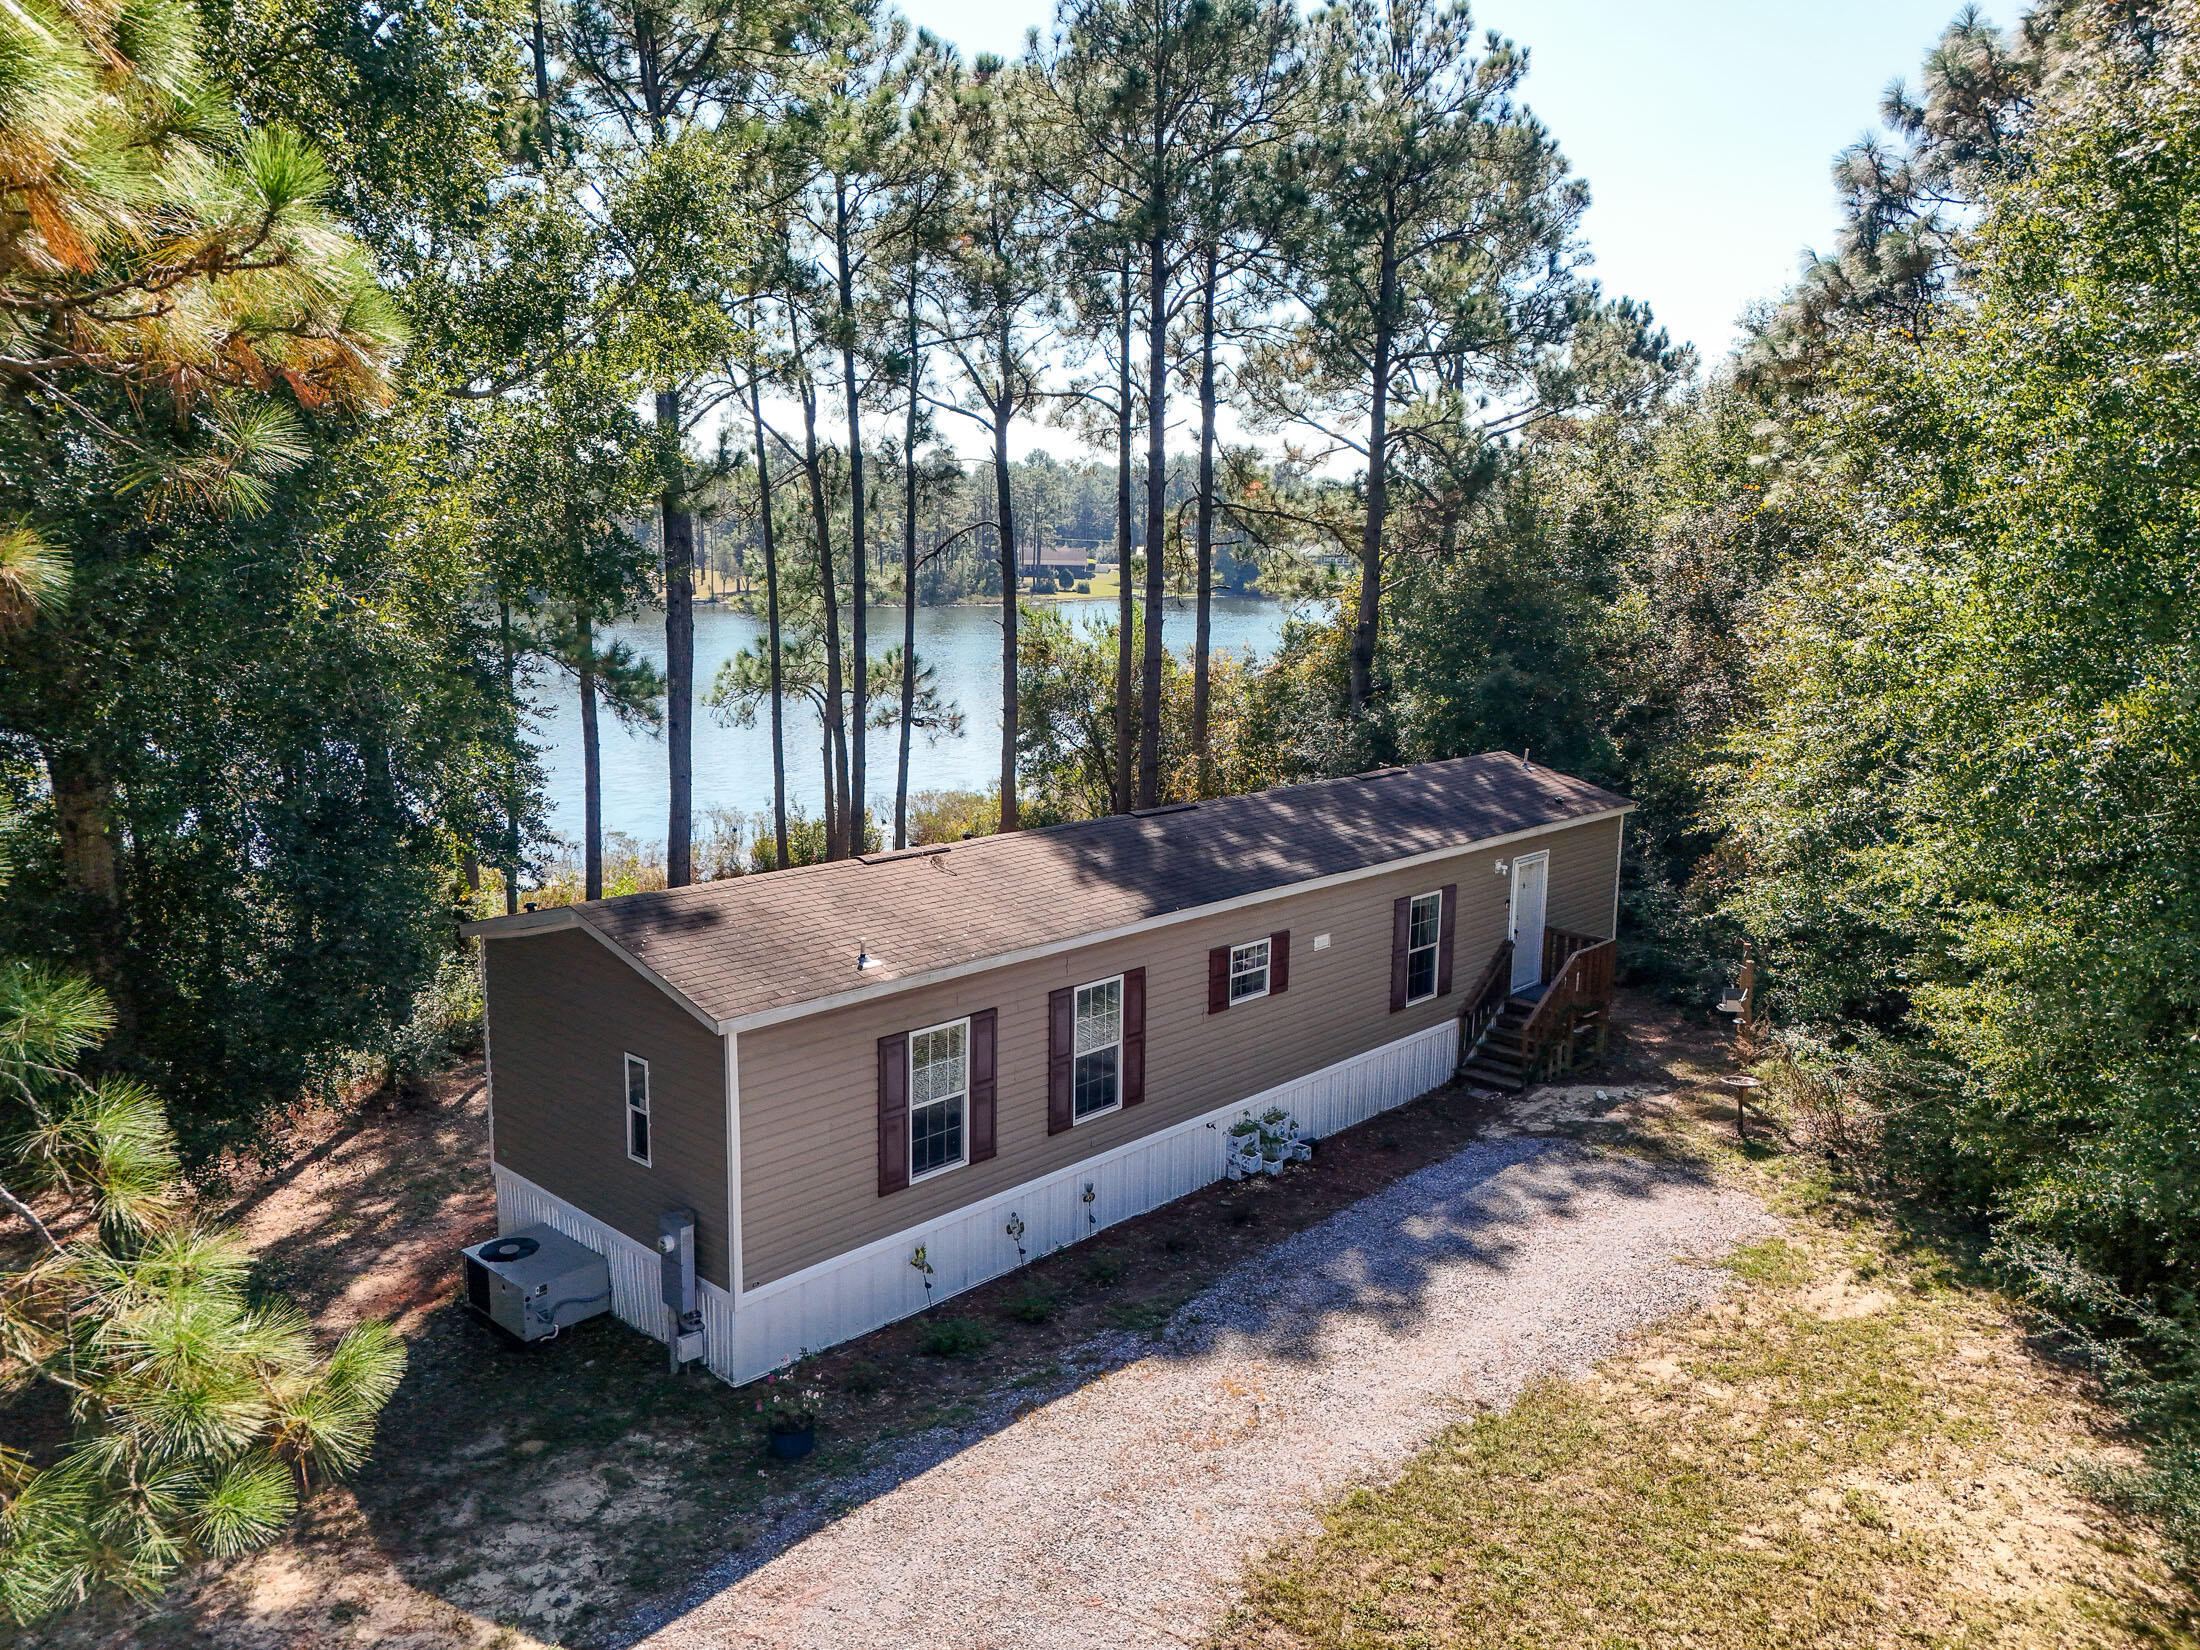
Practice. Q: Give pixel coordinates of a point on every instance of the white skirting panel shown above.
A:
(851, 1294)
(635, 1277)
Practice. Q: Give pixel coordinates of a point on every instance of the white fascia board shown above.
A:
(1145, 925)
(520, 922)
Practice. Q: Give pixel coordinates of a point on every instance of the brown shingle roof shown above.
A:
(751, 945)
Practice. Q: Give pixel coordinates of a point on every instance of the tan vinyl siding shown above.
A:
(808, 1087)
(563, 1014)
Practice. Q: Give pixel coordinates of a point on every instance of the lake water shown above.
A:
(733, 766)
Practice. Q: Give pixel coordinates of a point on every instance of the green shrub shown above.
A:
(953, 1337)
(1141, 1317)
(445, 1022)
(862, 1378)
(1105, 1268)
(1032, 1305)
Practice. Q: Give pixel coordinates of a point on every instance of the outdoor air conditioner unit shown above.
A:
(536, 1281)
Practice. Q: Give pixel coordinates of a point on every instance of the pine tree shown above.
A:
(1149, 93)
(198, 1416)
(997, 284)
(664, 91)
(1435, 266)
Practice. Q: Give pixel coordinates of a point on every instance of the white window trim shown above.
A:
(1267, 973)
(910, 1128)
(1115, 980)
(628, 1109)
(1435, 947)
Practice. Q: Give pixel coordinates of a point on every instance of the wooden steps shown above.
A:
(1501, 1062)
(1510, 1040)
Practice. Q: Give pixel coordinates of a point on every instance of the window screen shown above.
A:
(637, 1108)
(1097, 1083)
(1248, 971)
(939, 1087)
(1421, 944)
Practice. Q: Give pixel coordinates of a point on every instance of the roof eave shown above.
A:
(522, 922)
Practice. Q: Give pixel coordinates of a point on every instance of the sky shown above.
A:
(1705, 128)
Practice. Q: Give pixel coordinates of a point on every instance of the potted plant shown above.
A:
(789, 1411)
(1244, 1148)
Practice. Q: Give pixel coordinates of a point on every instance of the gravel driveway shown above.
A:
(1122, 1513)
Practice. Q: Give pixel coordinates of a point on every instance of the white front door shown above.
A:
(1527, 919)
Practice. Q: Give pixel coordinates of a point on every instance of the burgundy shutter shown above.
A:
(1446, 934)
(1279, 961)
(1401, 936)
(1134, 1036)
(982, 1086)
(1218, 979)
(1061, 1056)
(893, 1113)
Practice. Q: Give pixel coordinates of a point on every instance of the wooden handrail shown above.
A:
(1583, 984)
(1487, 1000)
(1561, 943)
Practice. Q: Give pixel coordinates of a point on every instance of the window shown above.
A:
(1096, 1083)
(637, 1109)
(1248, 971)
(1422, 935)
(939, 1092)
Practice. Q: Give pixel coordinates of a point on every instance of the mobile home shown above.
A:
(882, 1081)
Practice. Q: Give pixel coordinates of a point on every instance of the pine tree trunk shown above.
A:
(510, 660)
(1005, 513)
(1367, 616)
(832, 785)
(1125, 620)
(908, 580)
(1205, 531)
(836, 800)
(591, 767)
(1157, 422)
(83, 805)
(679, 566)
(771, 626)
(859, 562)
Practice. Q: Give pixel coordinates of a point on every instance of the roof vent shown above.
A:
(1164, 808)
(903, 853)
(1374, 774)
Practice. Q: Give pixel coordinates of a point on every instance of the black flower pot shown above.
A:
(793, 1446)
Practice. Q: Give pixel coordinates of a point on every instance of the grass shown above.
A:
(953, 1337)
(1105, 1268)
(1031, 1305)
(1849, 1448)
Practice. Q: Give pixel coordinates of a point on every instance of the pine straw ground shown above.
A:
(1854, 1446)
